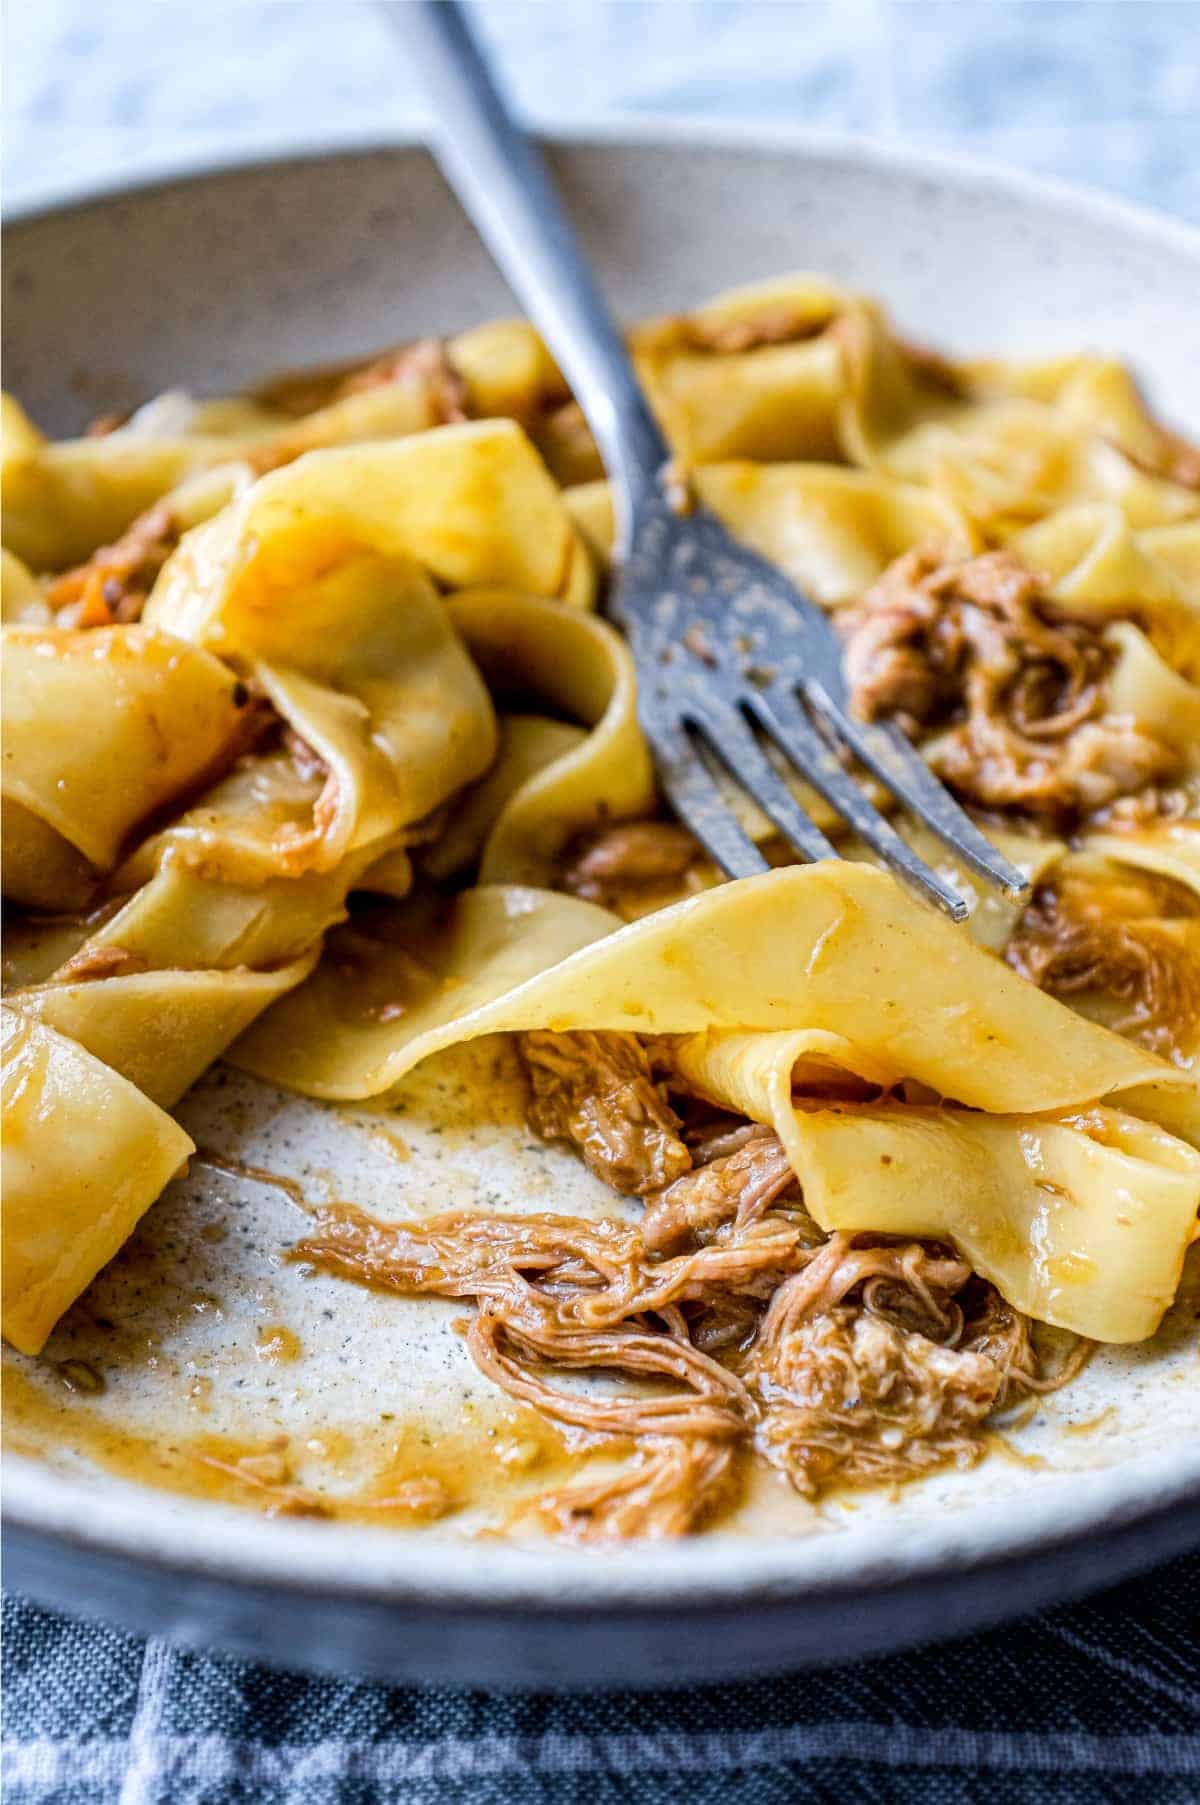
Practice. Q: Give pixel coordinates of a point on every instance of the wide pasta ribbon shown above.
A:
(749, 974)
(1143, 687)
(111, 1153)
(136, 1008)
(319, 583)
(1080, 1218)
(62, 500)
(357, 654)
(102, 729)
(553, 780)
(162, 985)
(473, 504)
(757, 373)
(1170, 848)
(1007, 464)
(832, 531)
(1009, 443)
(1095, 563)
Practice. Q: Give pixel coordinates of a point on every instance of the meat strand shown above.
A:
(117, 579)
(671, 1488)
(425, 361)
(848, 1397)
(1074, 941)
(597, 1091)
(633, 867)
(738, 1185)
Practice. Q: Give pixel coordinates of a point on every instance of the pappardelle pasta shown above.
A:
(320, 758)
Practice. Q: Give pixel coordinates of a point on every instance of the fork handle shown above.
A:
(503, 183)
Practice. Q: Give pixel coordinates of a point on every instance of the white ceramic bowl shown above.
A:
(209, 281)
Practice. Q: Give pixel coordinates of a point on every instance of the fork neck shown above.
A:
(503, 183)
(635, 455)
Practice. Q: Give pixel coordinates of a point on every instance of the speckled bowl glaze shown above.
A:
(210, 280)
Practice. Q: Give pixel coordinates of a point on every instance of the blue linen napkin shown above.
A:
(1095, 1702)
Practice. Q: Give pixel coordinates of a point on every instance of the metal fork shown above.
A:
(727, 652)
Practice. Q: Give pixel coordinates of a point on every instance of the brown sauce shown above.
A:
(259, 1175)
(402, 1473)
(998, 1444)
(277, 1344)
(1089, 1425)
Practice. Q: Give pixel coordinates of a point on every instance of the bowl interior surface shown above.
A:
(211, 282)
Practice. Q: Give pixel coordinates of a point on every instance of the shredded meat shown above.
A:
(992, 1327)
(771, 325)
(843, 1359)
(633, 867)
(99, 962)
(970, 650)
(424, 364)
(847, 1396)
(426, 360)
(114, 583)
(841, 1264)
(1080, 939)
(738, 1185)
(595, 1274)
(669, 1489)
(1143, 808)
(714, 1402)
(893, 1388)
(597, 1091)
(271, 1475)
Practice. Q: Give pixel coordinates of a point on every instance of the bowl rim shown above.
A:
(640, 130)
(191, 1538)
(175, 1535)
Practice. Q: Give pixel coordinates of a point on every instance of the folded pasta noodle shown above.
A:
(102, 730)
(1096, 563)
(1079, 1217)
(472, 504)
(108, 1154)
(62, 500)
(550, 789)
(835, 949)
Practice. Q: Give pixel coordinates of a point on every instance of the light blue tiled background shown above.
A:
(1102, 91)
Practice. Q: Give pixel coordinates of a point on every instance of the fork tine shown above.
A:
(783, 718)
(735, 745)
(901, 769)
(693, 793)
